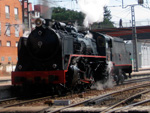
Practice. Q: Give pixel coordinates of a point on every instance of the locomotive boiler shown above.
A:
(57, 55)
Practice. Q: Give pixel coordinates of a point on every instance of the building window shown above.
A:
(2, 58)
(7, 32)
(8, 44)
(7, 11)
(16, 44)
(9, 58)
(17, 30)
(0, 28)
(16, 13)
(0, 43)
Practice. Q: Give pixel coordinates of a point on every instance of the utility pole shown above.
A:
(122, 4)
(134, 39)
(134, 34)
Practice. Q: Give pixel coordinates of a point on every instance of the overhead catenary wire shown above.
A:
(124, 13)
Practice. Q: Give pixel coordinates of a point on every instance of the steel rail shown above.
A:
(24, 102)
(95, 98)
(9, 99)
(123, 101)
(130, 106)
(137, 80)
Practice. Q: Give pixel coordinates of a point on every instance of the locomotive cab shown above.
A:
(104, 43)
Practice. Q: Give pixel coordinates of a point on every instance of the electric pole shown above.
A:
(134, 34)
(134, 39)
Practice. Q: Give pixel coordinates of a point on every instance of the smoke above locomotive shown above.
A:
(93, 9)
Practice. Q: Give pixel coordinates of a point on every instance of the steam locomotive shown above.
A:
(57, 55)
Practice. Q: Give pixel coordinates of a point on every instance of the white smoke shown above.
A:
(89, 35)
(93, 9)
(98, 86)
(76, 25)
(109, 66)
(21, 25)
(109, 83)
(26, 34)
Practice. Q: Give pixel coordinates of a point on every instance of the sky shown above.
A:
(142, 13)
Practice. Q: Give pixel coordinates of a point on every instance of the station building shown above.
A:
(10, 31)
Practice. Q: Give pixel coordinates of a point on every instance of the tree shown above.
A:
(66, 15)
(107, 23)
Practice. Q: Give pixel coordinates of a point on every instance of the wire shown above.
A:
(127, 14)
(118, 1)
(146, 9)
(122, 12)
(115, 6)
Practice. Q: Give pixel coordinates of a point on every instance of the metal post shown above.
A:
(122, 4)
(23, 10)
(23, 13)
(29, 17)
(27, 13)
(134, 39)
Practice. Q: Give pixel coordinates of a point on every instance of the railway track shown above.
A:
(47, 101)
(7, 80)
(129, 106)
(126, 101)
(12, 102)
(137, 80)
(135, 92)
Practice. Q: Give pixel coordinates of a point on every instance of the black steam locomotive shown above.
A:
(56, 54)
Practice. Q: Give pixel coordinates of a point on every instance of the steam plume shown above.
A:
(93, 9)
(109, 83)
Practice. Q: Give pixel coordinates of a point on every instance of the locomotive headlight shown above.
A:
(39, 22)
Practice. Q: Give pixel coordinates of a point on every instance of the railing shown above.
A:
(124, 24)
(129, 24)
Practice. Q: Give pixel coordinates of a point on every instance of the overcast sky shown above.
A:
(117, 12)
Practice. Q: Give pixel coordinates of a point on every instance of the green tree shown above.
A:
(107, 23)
(66, 15)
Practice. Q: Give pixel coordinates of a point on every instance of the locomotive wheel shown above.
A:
(117, 82)
(120, 77)
(76, 88)
(60, 90)
(80, 87)
(125, 76)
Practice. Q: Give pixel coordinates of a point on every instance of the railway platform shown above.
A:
(141, 72)
(5, 80)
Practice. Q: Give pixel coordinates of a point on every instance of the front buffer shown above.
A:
(39, 77)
